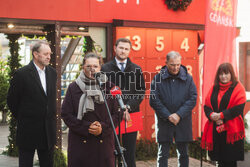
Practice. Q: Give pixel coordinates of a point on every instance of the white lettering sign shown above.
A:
(221, 20)
(118, 1)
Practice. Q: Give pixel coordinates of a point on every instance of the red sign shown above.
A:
(220, 34)
(101, 11)
(135, 124)
(149, 49)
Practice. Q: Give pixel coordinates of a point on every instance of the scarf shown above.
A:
(224, 97)
(91, 93)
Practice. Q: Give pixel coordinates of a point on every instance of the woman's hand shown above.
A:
(215, 116)
(219, 122)
(95, 128)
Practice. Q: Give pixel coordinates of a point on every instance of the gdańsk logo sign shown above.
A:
(222, 12)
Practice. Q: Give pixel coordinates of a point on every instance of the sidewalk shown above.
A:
(6, 161)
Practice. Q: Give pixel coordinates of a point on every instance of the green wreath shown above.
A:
(178, 4)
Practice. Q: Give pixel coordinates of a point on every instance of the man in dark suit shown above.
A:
(128, 76)
(32, 101)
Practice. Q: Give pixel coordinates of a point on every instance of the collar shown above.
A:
(118, 62)
(181, 75)
(38, 68)
(225, 86)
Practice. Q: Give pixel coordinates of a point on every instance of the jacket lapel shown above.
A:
(35, 75)
(118, 69)
(115, 66)
(128, 65)
(48, 80)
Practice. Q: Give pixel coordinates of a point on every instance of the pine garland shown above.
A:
(13, 62)
(178, 4)
(60, 159)
(88, 45)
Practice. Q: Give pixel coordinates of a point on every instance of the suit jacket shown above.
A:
(130, 81)
(34, 109)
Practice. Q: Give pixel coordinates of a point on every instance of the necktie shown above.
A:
(122, 66)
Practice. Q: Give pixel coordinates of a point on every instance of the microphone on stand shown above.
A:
(116, 92)
(101, 78)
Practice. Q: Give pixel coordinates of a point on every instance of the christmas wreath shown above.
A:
(178, 4)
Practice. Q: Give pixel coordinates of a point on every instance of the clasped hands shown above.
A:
(216, 118)
(95, 128)
(174, 118)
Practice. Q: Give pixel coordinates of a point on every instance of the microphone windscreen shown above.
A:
(115, 91)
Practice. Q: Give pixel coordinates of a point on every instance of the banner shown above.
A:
(101, 11)
(220, 34)
(135, 124)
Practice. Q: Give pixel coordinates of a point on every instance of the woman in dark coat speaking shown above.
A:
(224, 131)
(91, 138)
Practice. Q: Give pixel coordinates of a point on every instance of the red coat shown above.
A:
(85, 149)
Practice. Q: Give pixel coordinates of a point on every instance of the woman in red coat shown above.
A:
(224, 131)
(91, 138)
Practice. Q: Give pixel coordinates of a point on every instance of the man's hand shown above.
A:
(219, 122)
(174, 118)
(126, 115)
(215, 116)
(95, 128)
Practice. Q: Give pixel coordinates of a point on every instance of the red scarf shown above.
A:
(235, 128)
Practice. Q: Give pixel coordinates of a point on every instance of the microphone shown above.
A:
(101, 77)
(116, 92)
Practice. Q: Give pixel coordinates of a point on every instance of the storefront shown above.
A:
(153, 29)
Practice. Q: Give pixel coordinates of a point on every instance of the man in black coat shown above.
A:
(128, 76)
(173, 96)
(32, 101)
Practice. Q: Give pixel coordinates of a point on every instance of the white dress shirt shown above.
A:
(42, 76)
(119, 65)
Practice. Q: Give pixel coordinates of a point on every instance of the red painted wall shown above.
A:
(149, 49)
(104, 11)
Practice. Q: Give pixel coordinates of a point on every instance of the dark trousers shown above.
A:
(45, 157)
(182, 154)
(227, 164)
(129, 143)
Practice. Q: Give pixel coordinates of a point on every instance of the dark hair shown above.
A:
(91, 55)
(225, 68)
(37, 45)
(126, 40)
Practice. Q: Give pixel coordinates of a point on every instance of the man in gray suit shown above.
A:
(32, 101)
(173, 96)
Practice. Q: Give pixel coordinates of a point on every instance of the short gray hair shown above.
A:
(173, 55)
(37, 45)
